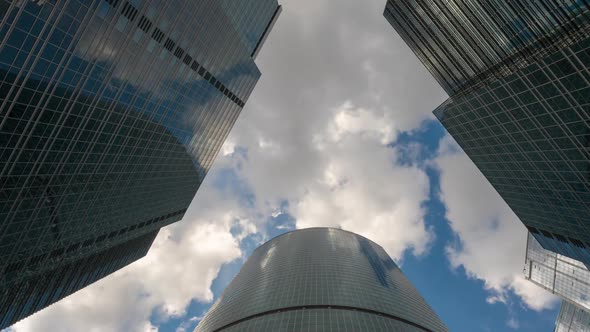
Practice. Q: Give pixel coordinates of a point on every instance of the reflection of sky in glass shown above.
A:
(112, 113)
(380, 266)
(557, 273)
(464, 42)
(528, 134)
(318, 267)
(187, 105)
(572, 319)
(251, 26)
(148, 78)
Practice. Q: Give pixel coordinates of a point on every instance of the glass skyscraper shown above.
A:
(561, 275)
(572, 319)
(518, 76)
(320, 279)
(111, 114)
(465, 43)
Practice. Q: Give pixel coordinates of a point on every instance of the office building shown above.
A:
(561, 275)
(320, 279)
(111, 114)
(518, 77)
(466, 43)
(572, 319)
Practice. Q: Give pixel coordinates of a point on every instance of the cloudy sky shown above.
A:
(338, 132)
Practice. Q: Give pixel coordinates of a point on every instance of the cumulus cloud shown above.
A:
(180, 267)
(492, 240)
(351, 179)
(349, 120)
(317, 58)
(338, 86)
(184, 326)
(362, 189)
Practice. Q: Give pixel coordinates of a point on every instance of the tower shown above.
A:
(518, 77)
(111, 114)
(320, 279)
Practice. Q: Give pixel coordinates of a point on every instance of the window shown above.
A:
(179, 52)
(129, 11)
(187, 60)
(144, 24)
(169, 44)
(157, 35)
(113, 3)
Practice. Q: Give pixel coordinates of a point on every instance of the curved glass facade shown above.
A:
(111, 114)
(320, 279)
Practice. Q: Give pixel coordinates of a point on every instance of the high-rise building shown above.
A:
(320, 279)
(561, 275)
(111, 114)
(518, 76)
(572, 319)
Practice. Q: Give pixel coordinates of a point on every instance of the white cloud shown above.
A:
(228, 148)
(338, 84)
(328, 72)
(317, 57)
(350, 121)
(342, 175)
(492, 239)
(362, 189)
(187, 323)
(181, 265)
(513, 323)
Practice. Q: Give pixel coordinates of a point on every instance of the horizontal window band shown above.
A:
(322, 306)
(144, 24)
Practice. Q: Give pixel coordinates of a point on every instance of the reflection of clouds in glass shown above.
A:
(470, 42)
(572, 318)
(19, 3)
(559, 274)
(98, 107)
(251, 27)
(267, 257)
(143, 71)
(210, 123)
(122, 43)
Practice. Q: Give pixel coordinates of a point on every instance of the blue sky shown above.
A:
(338, 132)
(458, 299)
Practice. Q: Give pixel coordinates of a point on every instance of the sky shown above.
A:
(338, 132)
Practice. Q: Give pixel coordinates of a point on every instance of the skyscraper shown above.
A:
(518, 76)
(572, 319)
(111, 114)
(320, 279)
(558, 274)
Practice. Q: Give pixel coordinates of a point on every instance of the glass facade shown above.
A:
(111, 114)
(559, 274)
(529, 134)
(464, 43)
(320, 279)
(572, 319)
(253, 18)
(39, 291)
(518, 76)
